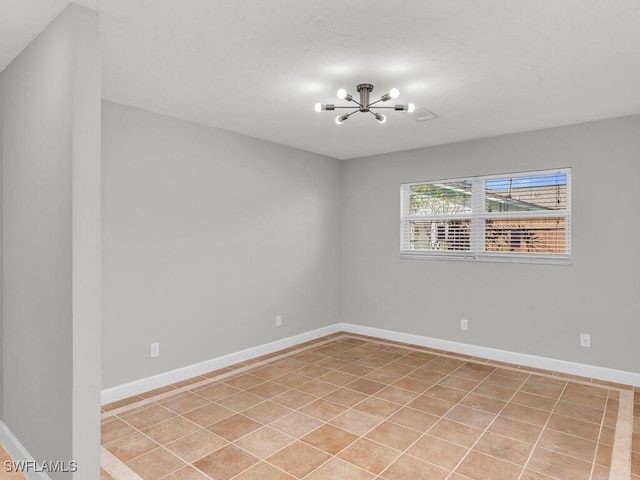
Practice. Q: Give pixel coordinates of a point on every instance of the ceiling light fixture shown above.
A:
(365, 90)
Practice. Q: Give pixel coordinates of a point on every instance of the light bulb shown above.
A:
(342, 94)
(394, 92)
(380, 118)
(317, 107)
(339, 120)
(411, 108)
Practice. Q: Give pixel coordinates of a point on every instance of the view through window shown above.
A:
(512, 217)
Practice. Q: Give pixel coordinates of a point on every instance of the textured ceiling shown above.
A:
(257, 67)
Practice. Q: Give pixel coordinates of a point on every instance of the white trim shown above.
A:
(564, 366)
(167, 378)
(17, 451)
(119, 392)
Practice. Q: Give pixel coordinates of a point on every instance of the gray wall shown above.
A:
(208, 235)
(533, 309)
(51, 243)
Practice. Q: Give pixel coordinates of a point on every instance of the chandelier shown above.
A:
(364, 105)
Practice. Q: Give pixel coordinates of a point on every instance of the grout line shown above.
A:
(621, 454)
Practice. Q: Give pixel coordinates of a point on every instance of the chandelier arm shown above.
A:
(392, 108)
(349, 98)
(373, 103)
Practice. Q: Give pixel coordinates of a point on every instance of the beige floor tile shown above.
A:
(455, 432)
(293, 399)
(339, 378)
(363, 385)
(113, 430)
(603, 455)
(263, 471)
(573, 426)
(414, 419)
(526, 414)
(557, 465)
(216, 392)
(240, 401)
(155, 464)
(522, 431)
(264, 442)
(186, 473)
(225, 463)
(291, 379)
(459, 382)
(504, 448)
(317, 388)
(148, 416)
(244, 381)
(196, 445)
(417, 385)
(438, 451)
(478, 466)
(377, 407)
(392, 435)
(470, 416)
(296, 424)
(170, 430)
(266, 412)
(298, 459)
(432, 405)
(409, 467)
(346, 397)
(234, 427)
(584, 399)
(544, 389)
(534, 401)
(339, 469)
(480, 402)
(329, 438)
(270, 372)
(355, 421)
(369, 455)
(184, 402)
(445, 393)
(494, 391)
(131, 446)
(208, 414)
(323, 409)
(268, 389)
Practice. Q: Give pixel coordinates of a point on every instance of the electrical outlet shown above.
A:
(155, 350)
(464, 324)
(278, 320)
(585, 340)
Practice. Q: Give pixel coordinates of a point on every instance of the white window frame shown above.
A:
(478, 217)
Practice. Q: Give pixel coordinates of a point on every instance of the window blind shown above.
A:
(522, 217)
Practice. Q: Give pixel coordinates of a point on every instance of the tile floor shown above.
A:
(354, 407)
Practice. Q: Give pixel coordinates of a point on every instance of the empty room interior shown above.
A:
(280, 240)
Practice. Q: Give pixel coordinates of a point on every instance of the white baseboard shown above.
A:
(572, 368)
(144, 385)
(18, 453)
(167, 378)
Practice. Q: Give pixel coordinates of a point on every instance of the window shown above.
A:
(522, 217)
